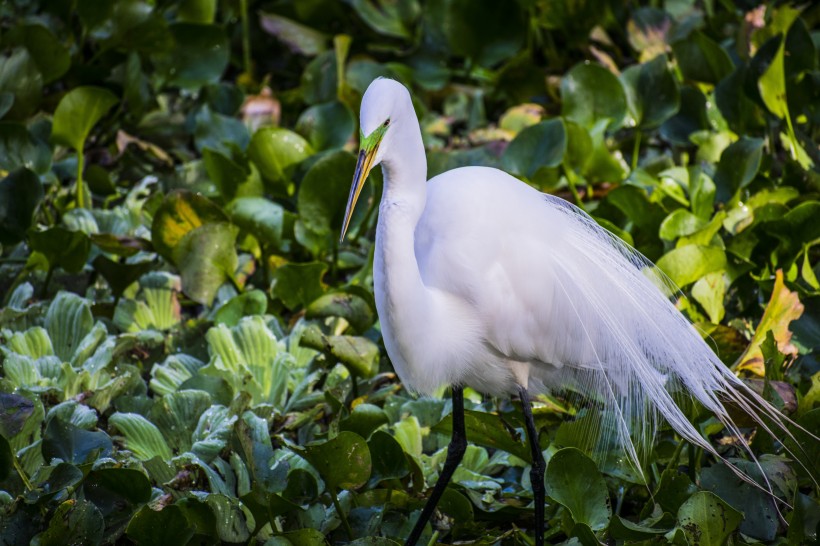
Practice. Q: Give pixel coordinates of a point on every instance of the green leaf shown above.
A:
(686, 264)
(738, 166)
(710, 291)
(253, 302)
(127, 485)
(15, 410)
(120, 275)
(351, 306)
(200, 57)
(574, 481)
(62, 248)
(231, 178)
(20, 78)
(591, 93)
(342, 462)
(141, 436)
(164, 527)
(260, 217)
(74, 522)
(705, 519)
(623, 529)
(486, 430)
(364, 419)
(73, 444)
(701, 59)
(681, 222)
(181, 212)
(327, 126)
(393, 19)
(760, 517)
(652, 92)
(20, 194)
(276, 152)
(77, 113)
(389, 461)
(359, 354)
(206, 258)
(299, 38)
(177, 414)
(20, 148)
(51, 58)
(297, 285)
(537, 146)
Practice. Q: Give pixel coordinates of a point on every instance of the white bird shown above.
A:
(483, 281)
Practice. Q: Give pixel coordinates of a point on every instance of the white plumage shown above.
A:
(482, 281)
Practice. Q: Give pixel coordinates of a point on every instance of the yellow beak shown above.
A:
(363, 166)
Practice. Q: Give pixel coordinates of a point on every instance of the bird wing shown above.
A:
(585, 310)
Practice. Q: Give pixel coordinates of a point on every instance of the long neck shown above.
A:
(402, 298)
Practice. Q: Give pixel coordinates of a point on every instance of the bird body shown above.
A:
(483, 281)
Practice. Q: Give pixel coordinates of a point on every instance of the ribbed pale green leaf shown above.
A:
(20, 296)
(20, 370)
(212, 432)
(133, 316)
(173, 372)
(142, 437)
(74, 413)
(89, 345)
(233, 520)
(68, 321)
(34, 343)
(160, 290)
(177, 414)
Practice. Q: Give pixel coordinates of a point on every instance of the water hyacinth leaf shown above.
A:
(20, 194)
(257, 452)
(51, 58)
(168, 526)
(690, 118)
(591, 93)
(393, 19)
(231, 178)
(352, 307)
(21, 149)
(15, 410)
(740, 111)
(679, 223)
(297, 37)
(121, 246)
(199, 57)
(709, 291)
(118, 275)
(141, 436)
(364, 419)
(73, 444)
(327, 126)
(738, 166)
(574, 481)
(61, 247)
(260, 217)
(686, 264)
(77, 113)
(706, 519)
(623, 529)
(53, 481)
(389, 460)
(652, 92)
(276, 152)
(342, 462)
(74, 522)
(253, 302)
(784, 307)
(538, 146)
(219, 132)
(207, 258)
(701, 59)
(358, 354)
(180, 212)
(302, 537)
(485, 429)
(297, 285)
(484, 31)
(20, 78)
(796, 228)
(760, 517)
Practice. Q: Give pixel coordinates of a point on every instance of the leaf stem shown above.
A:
(636, 149)
(246, 36)
(342, 516)
(21, 472)
(81, 197)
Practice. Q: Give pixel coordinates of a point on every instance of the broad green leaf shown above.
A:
(15, 410)
(206, 258)
(180, 213)
(20, 194)
(686, 264)
(389, 461)
(62, 248)
(76, 521)
(690, 119)
(486, 430)
(260, 217)
(77, 113)
(652, 92)
(574, 481)
(176, 415)
(364, 419)
(200, 57)
(129, 484)
(276, 152)
(738, 165)
(538, 146)
(409, 436)
(232, 178)
(327, 126)
(164, 527)
(254, 302)
(710, 291)
(51, 58)
(784, 307)
(359, 354)
(681, 222)
(591, 93)
(707, 520)
(197, 11)
(760, 518)
(297, 285)
(740, 111)
(298, 37)
(393, 19)
(21, 79)
(701, 59)
(141, 436)
(351, 306)
(623, 529)
(212, 432)
(120, 275)
(19, 148)
(342, 462)
(74, 445)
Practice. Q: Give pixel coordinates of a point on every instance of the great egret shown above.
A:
(483, 281)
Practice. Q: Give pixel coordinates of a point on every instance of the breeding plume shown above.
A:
(483, 281)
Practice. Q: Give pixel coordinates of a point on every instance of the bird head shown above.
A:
(382, 110)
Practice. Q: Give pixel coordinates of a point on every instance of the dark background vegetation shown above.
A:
(188, 355)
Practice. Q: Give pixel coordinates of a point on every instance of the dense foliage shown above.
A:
(188, 355)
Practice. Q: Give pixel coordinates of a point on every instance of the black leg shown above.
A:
(455, 452)
(538, 467)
